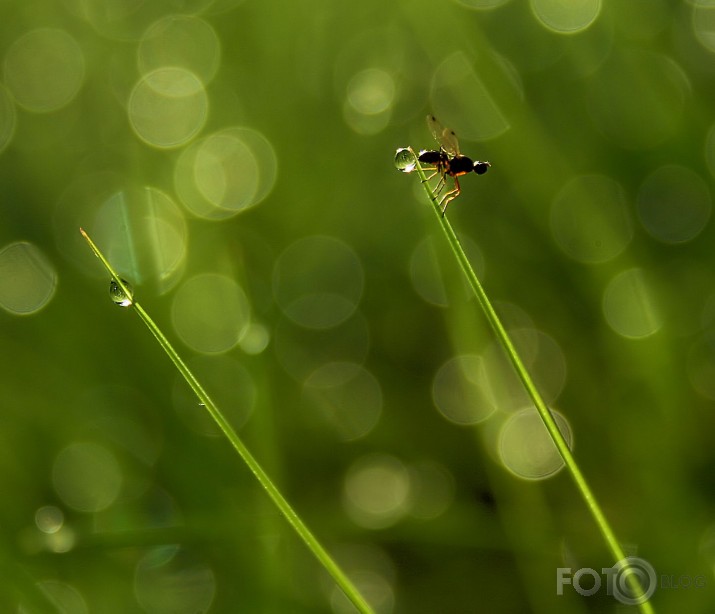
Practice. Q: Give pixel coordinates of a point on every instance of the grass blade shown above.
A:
(278, 499)
(525, 378)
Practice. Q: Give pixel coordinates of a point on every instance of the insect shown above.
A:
(448, 161)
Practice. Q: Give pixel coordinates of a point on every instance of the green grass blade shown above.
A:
(281, 503)
(533, 392)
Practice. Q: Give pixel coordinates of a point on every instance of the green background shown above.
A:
(621, 91)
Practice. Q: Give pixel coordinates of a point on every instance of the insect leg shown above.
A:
(441, 183)
(450, 196)
(430, 168)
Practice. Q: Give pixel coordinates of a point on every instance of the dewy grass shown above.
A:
(407, 160)
(122, 290)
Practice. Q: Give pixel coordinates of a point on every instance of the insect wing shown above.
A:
(446, 138)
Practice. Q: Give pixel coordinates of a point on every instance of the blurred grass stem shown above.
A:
(281, 503)
(536, 398)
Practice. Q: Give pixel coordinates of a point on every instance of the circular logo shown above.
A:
(634, 580)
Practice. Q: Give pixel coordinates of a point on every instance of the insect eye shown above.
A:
(481, 167)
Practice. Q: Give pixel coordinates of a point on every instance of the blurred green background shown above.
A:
(234, 160)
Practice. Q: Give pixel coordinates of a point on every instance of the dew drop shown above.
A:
(118, 296)
(405, 160)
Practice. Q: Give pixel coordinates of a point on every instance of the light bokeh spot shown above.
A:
(229, 384)
(82, 196)
(184, 41)
(216, 158)
(302, 350)
(128, 20)
(481, 5)
(318, 281)
(347, 397)
(86, 476)
(374, 588)
(125, 417)
(44, 69)
(53, 534)
(255, 339)
(461, 390)
(590, 220)
(706, 546)
(171, 580)
(703, 22)
(144, 234)
(8, 118)
(526, 448)
(210, 313)
(641, 20)
(426, 275)
(225, 173)
(710, 149)
(27, 279)
(566, 16)
(629, 82)
(369, 100)
(371, 570)
(376, 491)
(49, 519)
(432, 489)
(701, 365)
(168, 107)
(542, 356)
(674, 204)
(63, 597)
(371, 91)
(456, 91)
(629, 305)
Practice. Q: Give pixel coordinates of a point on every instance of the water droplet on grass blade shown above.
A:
(405, 160)
(118, 296)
